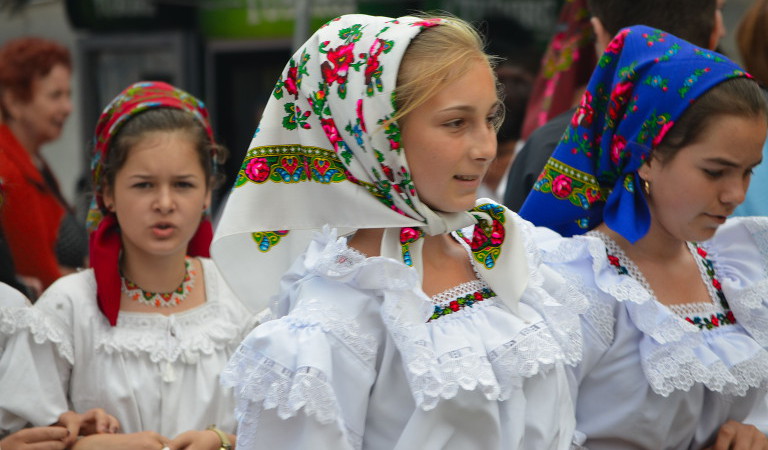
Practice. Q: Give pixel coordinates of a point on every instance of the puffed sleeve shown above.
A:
(34, 368)
(302, 381)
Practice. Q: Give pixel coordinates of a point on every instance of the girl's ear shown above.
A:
(207, 202)
(107, 195)
(644, 172)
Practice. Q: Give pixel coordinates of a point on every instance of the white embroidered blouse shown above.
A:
(360, 357)
(152, 372)
(650, 378)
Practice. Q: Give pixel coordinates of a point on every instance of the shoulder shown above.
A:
(77, 289)
(739, 250)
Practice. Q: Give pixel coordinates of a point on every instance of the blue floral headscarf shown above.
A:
(642, 85)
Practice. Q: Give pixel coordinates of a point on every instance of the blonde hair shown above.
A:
(434, 58)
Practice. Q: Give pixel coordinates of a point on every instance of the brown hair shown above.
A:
(25, 59)
(167, 120)
(740, 97)
(692, 20)
(434, 58)
(752, 40)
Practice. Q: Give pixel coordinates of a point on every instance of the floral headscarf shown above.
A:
(105, 245)
(643, 83)
(327, 153)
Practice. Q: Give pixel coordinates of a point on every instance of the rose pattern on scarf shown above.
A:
(487, 238)
(290, 164)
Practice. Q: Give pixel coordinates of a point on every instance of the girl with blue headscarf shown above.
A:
(657, 156)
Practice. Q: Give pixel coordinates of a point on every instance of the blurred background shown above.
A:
(230, 52)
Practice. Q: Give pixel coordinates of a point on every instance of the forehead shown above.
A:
(163, 149)
(735, 139)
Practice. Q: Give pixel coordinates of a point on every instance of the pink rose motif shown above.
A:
(329, 127)
(388, 172)
(497, 233)
(359, 111)
(372, 65)
(593, 195)
(257, 170)
(427, 23)
(408, 235)
(662, 132)
(562, 186)
(619, 98)
(337, 66)
(617, 43)
(478, 238)
(618, 143)
(585, 113)
(290, 82)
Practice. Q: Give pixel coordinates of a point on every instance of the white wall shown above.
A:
(47, 19)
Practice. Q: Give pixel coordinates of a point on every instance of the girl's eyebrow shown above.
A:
(728, 163)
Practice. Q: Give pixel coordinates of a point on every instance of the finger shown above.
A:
(42, 434)
(725, 437)
(114, 424)
(48, 445)
(71, 421)
(100, 419)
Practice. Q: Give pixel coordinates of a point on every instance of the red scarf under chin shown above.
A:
(105, 247)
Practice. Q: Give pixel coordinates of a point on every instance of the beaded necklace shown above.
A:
(158, 299)
(626, 266)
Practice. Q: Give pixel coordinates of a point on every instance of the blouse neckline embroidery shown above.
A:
(705, 316)
(464, 294)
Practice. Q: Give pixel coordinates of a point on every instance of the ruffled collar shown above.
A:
(675, 354)
(485, 346)
(184, 336)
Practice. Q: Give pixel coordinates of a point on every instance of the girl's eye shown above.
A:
(142, 185)
(713, 173)
(185, 184)
(456, 123)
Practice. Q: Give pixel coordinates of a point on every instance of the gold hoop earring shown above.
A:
(646, 187)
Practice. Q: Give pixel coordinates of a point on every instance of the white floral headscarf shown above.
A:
(326, 153)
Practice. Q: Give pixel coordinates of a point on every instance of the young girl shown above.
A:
(658, 154)
(151, 325)
(57, 430)
(432, 325)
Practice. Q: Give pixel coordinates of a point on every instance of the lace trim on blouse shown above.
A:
(434, 372)
(675, 355)
(42, 328)
(705, 316)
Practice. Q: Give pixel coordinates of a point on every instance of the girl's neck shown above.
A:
(154, 274)
(30, 144)
(654, 246)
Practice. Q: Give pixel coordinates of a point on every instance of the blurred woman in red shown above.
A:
(35, 103)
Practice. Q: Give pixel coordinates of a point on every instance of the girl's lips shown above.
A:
(163, 231)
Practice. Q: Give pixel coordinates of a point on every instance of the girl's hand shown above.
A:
(144, 440)
(197, 440)
(738, 436)
(39, 438)
(93, 421)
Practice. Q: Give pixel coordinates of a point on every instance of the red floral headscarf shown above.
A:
(106, 244)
